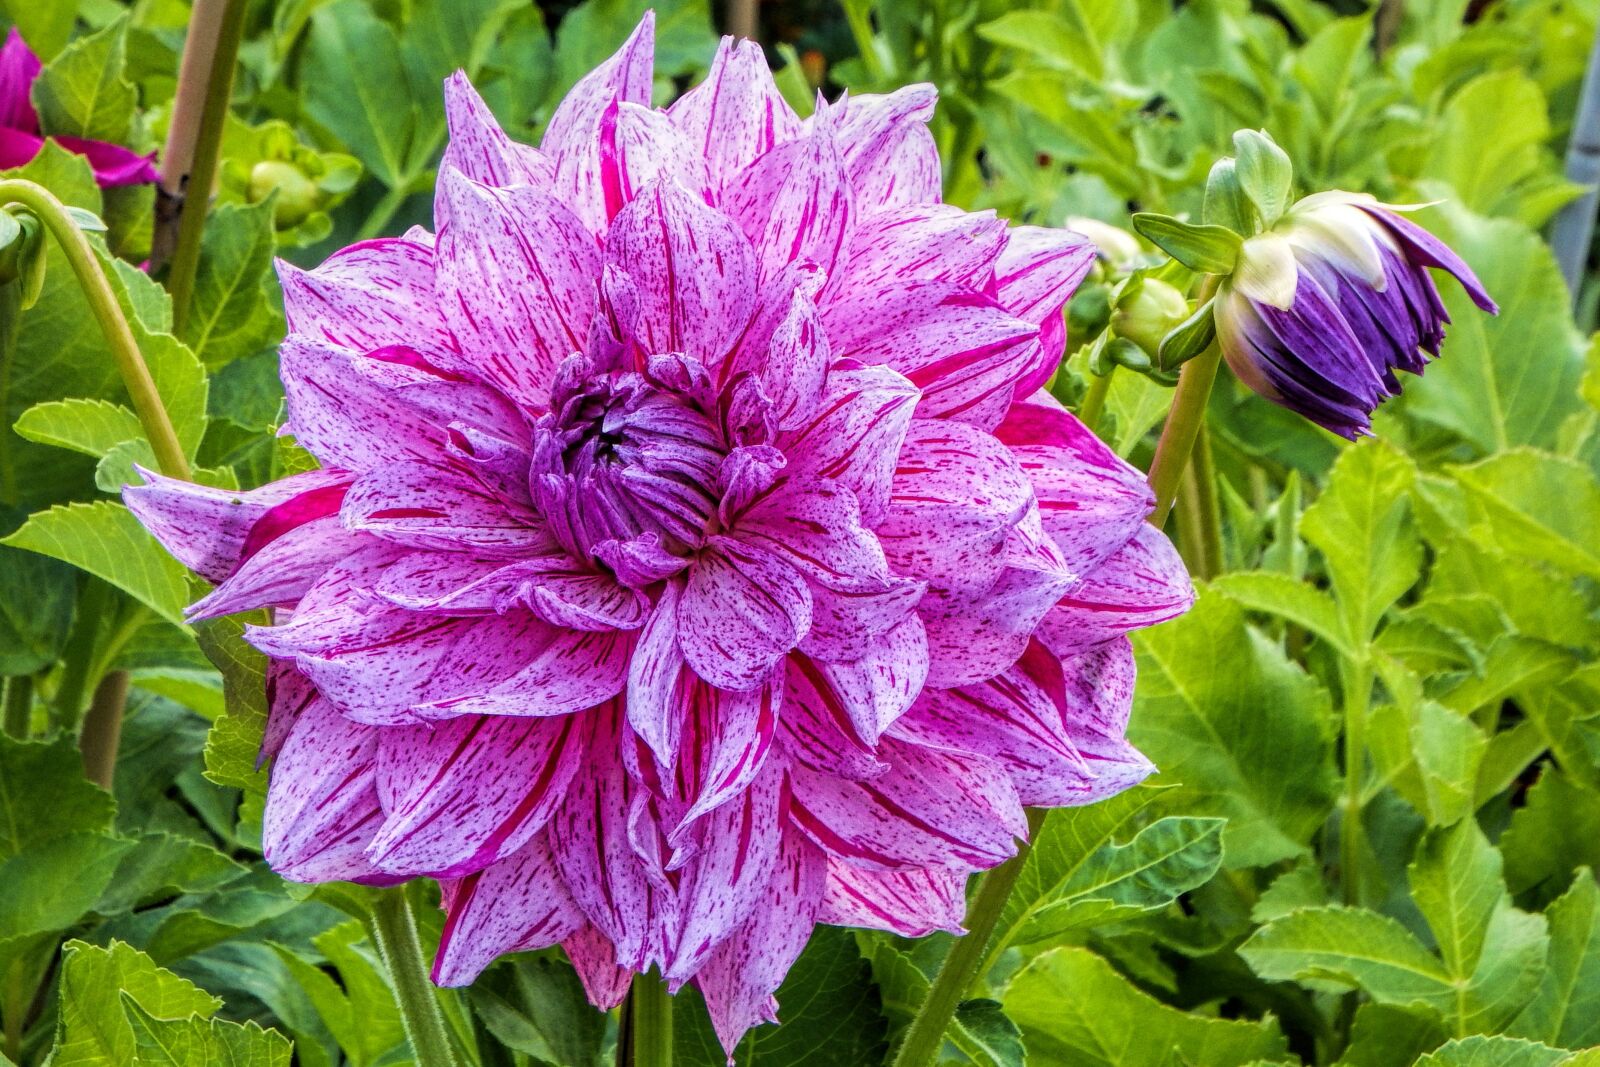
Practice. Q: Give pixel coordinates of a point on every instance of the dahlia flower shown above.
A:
(20, 139)
(694, 556)
(1323, 308)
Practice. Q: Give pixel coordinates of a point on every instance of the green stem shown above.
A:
(19, 705)
(649, 1022)
(108, 313)
(203, 169)
(1203, 471)
(1184, 420)
(102, 728)
(858, 15)
(1094, 399)
(969, 959)
(394, 931)
(1357, 692)
(78, 658)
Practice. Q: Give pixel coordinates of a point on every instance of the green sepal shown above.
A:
(30, 258)
(1204, 248)
(1226, 204)
(1264, 173)
(1188, 339)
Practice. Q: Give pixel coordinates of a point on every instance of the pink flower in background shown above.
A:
(695, 558)
(20, 139)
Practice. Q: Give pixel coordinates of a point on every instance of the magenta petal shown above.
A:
(1099, 686)
(732, 734)
(743, 972)
(595, 960)
(436, 506)
(855, 436)
(820, 729)
(113, 164)
(515, 281)
(911, 903)
(279, 574)
(469, 792)
(743, 609)
(924, 243)
(694, 271)
(816, 528)
(322, 800)
(371, 295)
(794, 203)
(18, 69)
(878, 684)
(891, 159)
(480, 149)
(516, 905)
(17, 147)
(1143, 584)
(567, 671)
(1035, 277)
(737, 114)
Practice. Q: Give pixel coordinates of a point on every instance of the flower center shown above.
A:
(626, 455)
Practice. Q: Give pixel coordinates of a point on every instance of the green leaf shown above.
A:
(353, 69)
(1483, 1051)
(1203, 682)
(1138, 404)
(234, 743)
(993, 1040)
(1386, 1036)
(1535, 505)
(105, 539)
(1566, 1009)
(43, 794)
(164, 864)
(37, 596)
(1362, 525)
(1075, 1010)
(537, 1006)
(93, 1030)
(46, 27)
(1205, 248)
(52, 884)
(1556, 830)
(93, 427)
(1431, 755)
(1337, 947)
(1298, 602)
(203, 1042)
(1188, 339)
(1077, 874)
(83, 93)
(1048, 37)
(230, 315)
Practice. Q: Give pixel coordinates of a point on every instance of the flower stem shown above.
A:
(108, 313)
(965, 964)
(394, 931)
(102, 728)
(218, 80)
(1357, 692)
(1094, 399)
(19, 705)
(1184, 420)
(649, 1022)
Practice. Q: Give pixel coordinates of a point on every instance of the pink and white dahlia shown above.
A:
(694, 558)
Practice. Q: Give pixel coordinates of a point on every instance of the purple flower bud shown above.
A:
(1323, 308)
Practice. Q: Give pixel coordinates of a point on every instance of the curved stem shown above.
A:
(1357, 693)
(203, 167)
(1184, 419)
(969, 958)
(649, 1022)
(108, 313)
(1094, 399)
(394, 931)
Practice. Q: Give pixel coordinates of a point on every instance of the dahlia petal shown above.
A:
(436, 506)
(732, 873)
(930, 808)
(453, 583)
(891, 158)
(694, 271)
(371, 295)
(1034, 278)
(960, 347)
(732, 733)
(855, 435)
(957, 495)
(480, 149)
(1091, 501)
(816, 528)
(845, 622)
(322, 801)
(595, 959)
(737, 114)
(516, 905)
(280, 573)
(574, 670)
(818, 728)
(911, 903)
(113, 164)
(794, 204)
(746, 968)
(289, 693)
(879, 685)
(515, 281)
(1427, 249)
(924, 242)
(1099, 687)
(471, 791)
(19, 68)
(794, 365)
(654, 675)
(1143, 584)
(639, 147)
(742, 610)
(206, 528)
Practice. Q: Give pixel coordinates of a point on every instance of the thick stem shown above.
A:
(1094, 399)
(102, 728)
(649, 1021)
(967, 961)
(744, 19)
(207, 151)
(1203, 471)
(108, 313)
(183, 132)
(1357, 692)
(394, 931)
(19, 705)
(1184, 420)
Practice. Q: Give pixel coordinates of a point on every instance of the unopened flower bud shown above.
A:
(1149, 314)
(1324, 307)
(1114, 245)
(298, 195)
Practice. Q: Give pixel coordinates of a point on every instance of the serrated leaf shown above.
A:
(234, 743)
(37, 598)
(1075, 1010)
(93, 1030)
(83, 93)
(229, 314)
(1386, 1036)
(203, 1042)
(1556, 830)
(1342, 947)
(105, 539)
(50, 885)
(1295, 601)
(44, 794)
(1535, 505)
(1566, 1010)
(992, 1039)
(92, 427)
(1203, 682)
(164, 863)
(1481, 1051)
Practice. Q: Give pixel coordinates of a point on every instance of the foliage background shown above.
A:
(1404, 632)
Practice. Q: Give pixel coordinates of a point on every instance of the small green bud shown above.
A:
(298, 195)
(22, 253)
(1149, 313)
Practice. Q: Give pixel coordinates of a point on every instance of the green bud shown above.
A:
(22, 253)
(1151, 310)
(298, 195)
